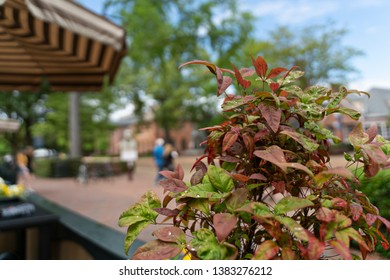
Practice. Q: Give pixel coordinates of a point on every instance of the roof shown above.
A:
(59, 42)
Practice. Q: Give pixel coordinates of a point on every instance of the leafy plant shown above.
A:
(265, 188)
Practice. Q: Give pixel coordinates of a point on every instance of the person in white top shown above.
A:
(129, 152)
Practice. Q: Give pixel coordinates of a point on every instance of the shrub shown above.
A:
(377, 190)
(264, 188)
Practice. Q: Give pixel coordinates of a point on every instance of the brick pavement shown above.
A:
(103, 200)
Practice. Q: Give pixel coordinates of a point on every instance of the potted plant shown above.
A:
(265, 187)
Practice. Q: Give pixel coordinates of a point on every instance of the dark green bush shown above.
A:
(377, 190)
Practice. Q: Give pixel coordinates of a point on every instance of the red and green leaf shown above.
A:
(224, 223)
(157, 250)
(267, 250)
(307, 143)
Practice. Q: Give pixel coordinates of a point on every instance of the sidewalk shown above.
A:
(103, 200)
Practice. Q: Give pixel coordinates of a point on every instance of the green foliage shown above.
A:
(318, 50)
(377, 190)
(94, 121)
(163, 34)
(264, 188)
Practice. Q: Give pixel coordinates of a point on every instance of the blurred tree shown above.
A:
(95, 110)
(27, 107)
(164, 34)
(318, 50)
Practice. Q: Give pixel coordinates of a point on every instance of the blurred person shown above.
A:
(170, 154)
(129, 152)
(158, 155)
(24, 175)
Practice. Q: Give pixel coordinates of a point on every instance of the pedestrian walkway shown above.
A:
(103, 200)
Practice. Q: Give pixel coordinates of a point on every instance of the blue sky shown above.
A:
(367, 22)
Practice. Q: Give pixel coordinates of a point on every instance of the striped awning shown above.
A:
(56, 42)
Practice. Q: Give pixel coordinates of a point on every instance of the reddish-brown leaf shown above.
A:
(179, 172)
(325, 214)
(385, 222)
(356, 211)
(156, 250)
(229, 139)
(197, 177)
(274, 86)
(372, 132)
(273, 154)
(241, 81)
(170, 234)
(210, 66)
(168, 174)
(272, 115)
(276, 72)
(375, 153)
(261, 66)
(339, 202)
(247, 72)
(261, 134)
(167, 212)
(370, 218)
(240, 177)
(224, 223)
(249, 144)
(226, 82)
(280, 187)
(173, 185)
(258, 176)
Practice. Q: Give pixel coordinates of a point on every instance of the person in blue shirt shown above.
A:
(158, 155)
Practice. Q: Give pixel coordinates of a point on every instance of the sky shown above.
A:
(367, 23)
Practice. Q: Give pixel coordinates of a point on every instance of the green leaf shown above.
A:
(266, 250)
(291, 203)
(353, 114)
(294, 227)
(204, 190)
(220, 179)
(305, 141)
(207, 247)
(320, 132)
(337, 98)
(314, 93)
(132, 233)
(157, 250)
(201, 204)
(141, 211)
(312, 112)
(257, 209)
